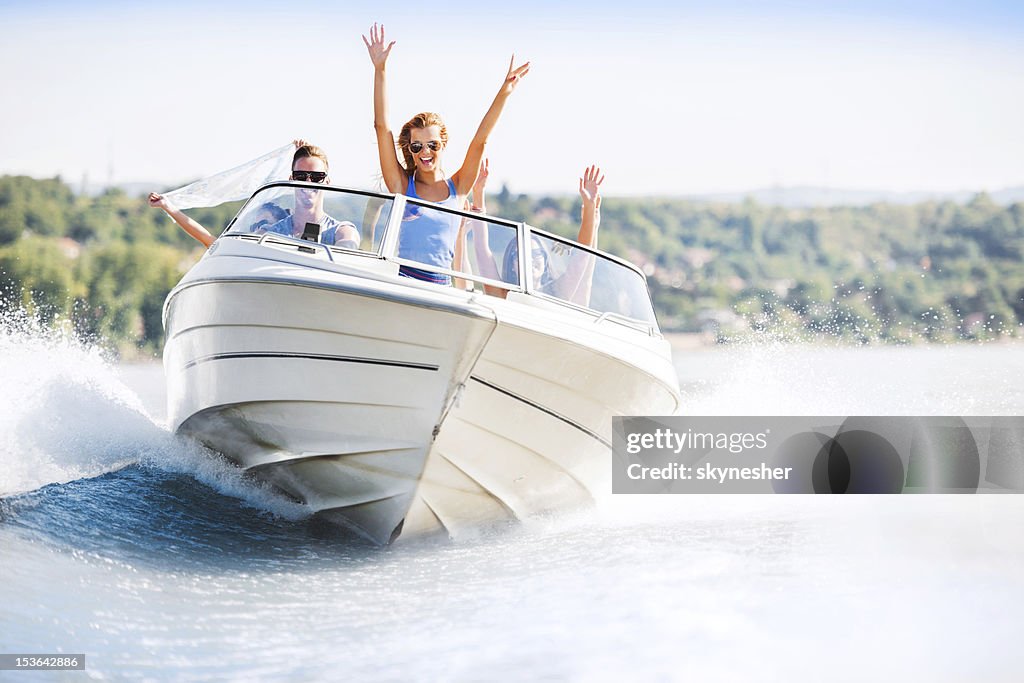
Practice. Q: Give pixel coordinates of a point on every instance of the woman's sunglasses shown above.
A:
(310, 176)
(417, 147)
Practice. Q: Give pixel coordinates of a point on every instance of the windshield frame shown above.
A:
(378, 253)
(389, 245)
(387, 248)
(533, 288)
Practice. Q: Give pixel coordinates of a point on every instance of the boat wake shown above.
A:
(70, 422)
(83, 463)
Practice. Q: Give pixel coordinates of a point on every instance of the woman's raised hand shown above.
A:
(375, 46)
(481, 179)
(514, 75)
(590, 184)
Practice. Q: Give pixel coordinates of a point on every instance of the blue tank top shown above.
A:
(428, 235)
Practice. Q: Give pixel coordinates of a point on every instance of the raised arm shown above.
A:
(391, 170)
(192, 227)
(486, 263)
(575, 284)
(460, 259)
(371, 214)
(466, 176)
(590, 220)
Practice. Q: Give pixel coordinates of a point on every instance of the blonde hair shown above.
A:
(421, 120)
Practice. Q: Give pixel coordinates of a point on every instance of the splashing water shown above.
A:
(130, 546)
(768, 376)
(69, 416)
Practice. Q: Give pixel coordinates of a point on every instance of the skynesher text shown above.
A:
(707, 472)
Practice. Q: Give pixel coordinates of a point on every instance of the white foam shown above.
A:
(183, 456)
(68, 416)
(769, 377)
(64, 417)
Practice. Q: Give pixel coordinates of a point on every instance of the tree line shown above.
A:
(938, 271)
(933, 271)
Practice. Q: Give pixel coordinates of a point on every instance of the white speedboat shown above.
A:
(395, 406)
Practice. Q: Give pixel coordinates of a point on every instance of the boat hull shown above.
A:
(403, 408)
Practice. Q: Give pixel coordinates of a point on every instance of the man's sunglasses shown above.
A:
(417, 147)
(310, 176)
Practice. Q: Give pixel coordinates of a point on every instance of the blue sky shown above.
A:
(668, 99)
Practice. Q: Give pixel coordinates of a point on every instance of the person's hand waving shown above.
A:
(514, 76)
(590, 185)
(375, 46)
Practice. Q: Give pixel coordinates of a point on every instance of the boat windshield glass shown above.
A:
(335, 217)
(567, 271)
(356, 220)
(426, 232)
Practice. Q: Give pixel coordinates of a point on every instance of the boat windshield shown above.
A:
(346, 219)
(426, 231)
(570, 272)
(357, 220)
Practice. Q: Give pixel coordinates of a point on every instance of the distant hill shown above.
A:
(806, 197)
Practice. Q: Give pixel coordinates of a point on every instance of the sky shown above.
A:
(673, 99)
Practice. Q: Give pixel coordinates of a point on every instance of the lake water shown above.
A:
(119, 541)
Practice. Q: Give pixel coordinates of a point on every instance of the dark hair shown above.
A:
(508, 270)
(274, 210)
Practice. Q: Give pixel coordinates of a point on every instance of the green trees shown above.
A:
(101, 265)
(37, 276)
(124, 286)
(933, 271)
(38, 206)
